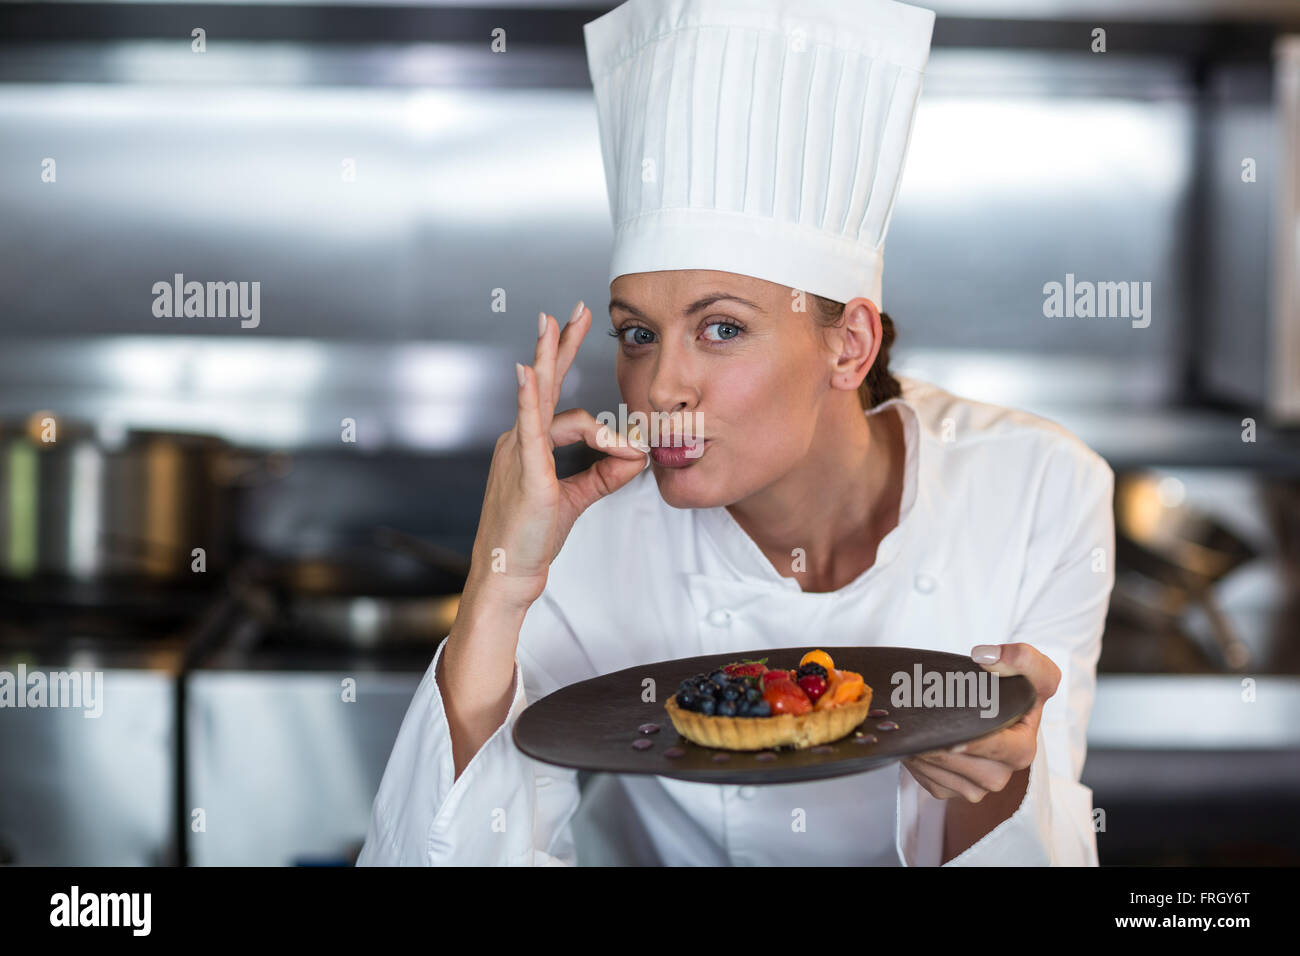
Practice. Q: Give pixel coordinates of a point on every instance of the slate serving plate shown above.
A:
(591, 725)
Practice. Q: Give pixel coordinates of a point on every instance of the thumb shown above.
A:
(603, 478)
(1009, 660)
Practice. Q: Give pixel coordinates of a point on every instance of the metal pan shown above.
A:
(1183, 551)
(360, 597)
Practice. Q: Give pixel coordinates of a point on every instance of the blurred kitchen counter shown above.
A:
(1180, 437)
(1195, 770)
(1196, 711)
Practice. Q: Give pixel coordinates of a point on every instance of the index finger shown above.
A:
(1010, 745)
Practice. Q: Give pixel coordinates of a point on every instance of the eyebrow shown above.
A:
(696, 306)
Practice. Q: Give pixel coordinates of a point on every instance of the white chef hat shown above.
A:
(760, 137)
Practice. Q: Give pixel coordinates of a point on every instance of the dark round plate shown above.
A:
(592, 725)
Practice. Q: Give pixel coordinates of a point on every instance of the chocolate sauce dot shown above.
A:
(886, 725)
(865, 739)
(877, 712)
(674, 752)
(721, 758)
(765, 755)
(823, 749)
(642, 743)
(649, 728)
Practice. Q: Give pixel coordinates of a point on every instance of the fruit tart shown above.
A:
(747, 706)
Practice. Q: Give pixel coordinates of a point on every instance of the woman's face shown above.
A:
(746, 372)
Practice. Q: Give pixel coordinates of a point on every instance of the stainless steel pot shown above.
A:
(75, 507)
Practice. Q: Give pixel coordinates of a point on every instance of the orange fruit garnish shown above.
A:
(845, 687)
(822, 658)
(849, 687)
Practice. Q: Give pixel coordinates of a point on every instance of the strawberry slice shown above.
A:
(785, 697)
(746, 668)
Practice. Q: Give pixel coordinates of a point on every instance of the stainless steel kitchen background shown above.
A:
(224, 739)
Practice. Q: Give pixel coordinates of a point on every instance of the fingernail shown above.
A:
(519, 374)
(986, 654)
(573, 316)
(541, 324)
(960, 748)
(647, 463)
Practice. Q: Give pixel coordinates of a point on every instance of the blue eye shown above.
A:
(725, 325)
(643, 336)
(618, 334)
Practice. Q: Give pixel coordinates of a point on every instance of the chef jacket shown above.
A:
(1005, 534)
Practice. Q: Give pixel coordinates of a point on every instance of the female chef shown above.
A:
(805, 495)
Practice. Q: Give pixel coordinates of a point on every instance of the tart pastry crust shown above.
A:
(764, 733)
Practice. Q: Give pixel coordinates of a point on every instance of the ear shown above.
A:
(855, 343)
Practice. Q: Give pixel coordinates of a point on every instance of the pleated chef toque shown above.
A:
(760, 137)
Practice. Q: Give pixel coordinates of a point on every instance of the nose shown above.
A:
(673, 387)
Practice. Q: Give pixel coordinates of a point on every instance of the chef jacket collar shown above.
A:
(753, 567)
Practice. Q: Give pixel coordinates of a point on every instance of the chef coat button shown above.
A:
(925, 583)
(747, 793)
(719, 617)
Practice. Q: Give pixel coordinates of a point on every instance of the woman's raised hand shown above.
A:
(527, 511)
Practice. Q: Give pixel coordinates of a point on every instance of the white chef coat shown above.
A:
(1005, 534)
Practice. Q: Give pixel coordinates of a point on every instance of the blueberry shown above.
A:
(753, 695)
(732, 692)
(719, 677)
(760, 709)
(686, 700)
(727, 708)
(706, 706)
(742, 708)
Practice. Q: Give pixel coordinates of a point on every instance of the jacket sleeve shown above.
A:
(1061, 610)
(504, 808)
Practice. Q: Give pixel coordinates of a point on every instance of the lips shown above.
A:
(679, 455)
